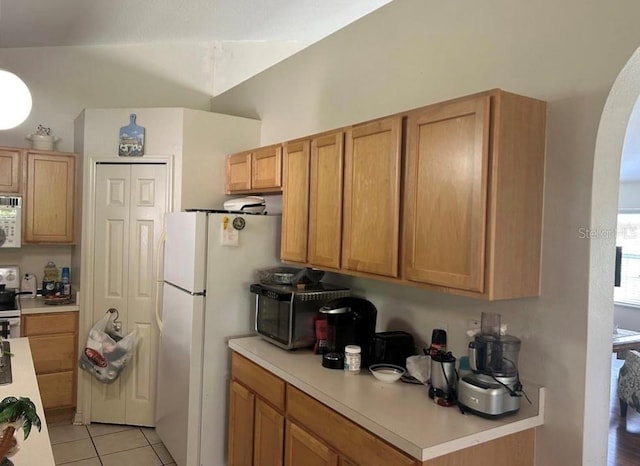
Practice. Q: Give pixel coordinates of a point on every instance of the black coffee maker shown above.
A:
(350, 321)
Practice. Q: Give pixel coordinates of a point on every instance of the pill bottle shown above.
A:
(352, 359)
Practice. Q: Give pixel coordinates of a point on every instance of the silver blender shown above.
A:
(493, 388)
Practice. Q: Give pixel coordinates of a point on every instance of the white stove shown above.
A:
(10, 312)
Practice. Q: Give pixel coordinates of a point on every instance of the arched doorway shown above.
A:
(604, 201)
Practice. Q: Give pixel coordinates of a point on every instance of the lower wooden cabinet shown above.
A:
(314, 433)
(256, 430)
(305, 432)
(256, 415)
(57, 389)
(53, 339)
(241, 415)
(268, 435)
(348, 438)
(302, 448)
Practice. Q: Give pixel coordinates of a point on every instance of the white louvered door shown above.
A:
(131, 200)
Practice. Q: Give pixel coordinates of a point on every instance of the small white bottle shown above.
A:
(352, 359)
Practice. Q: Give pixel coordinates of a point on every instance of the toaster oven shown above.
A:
(285, 315)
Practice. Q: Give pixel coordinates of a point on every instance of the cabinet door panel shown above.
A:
(10, 171)
(241, 404)
(268, 435)
(372, 197)
(446, 179)
(325, 200)
(302, 449)
(50, 198)
(266, 168)
(53, 353)
(295, 202)
(238, 172)
(57, 389)
(345, 436)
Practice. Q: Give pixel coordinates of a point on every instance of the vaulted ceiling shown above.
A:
(38, 23)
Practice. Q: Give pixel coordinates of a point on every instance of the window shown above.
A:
(628, 237)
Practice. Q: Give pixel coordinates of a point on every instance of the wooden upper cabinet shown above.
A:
(464, 178)
(325, 200)
(238, 176)
(295, 202)
(49, 206)
(255, 171)
(372, 197)
(312, 200)
(473, 195)
(10, 171)
(266, 168)
(445, 207)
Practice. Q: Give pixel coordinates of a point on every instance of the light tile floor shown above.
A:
(107, 445)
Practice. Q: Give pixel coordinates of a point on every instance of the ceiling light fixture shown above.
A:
(15, 100)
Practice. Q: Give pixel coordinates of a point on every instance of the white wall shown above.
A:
(236, 61)
(32, 259)
(65, 80)
(416, 52)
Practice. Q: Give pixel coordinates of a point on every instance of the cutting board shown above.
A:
(131, 139)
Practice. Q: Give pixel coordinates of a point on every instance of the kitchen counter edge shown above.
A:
(37, 306)
(36, 449)
(441, 430)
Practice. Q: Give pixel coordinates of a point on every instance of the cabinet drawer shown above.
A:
(260, 381)
(56, 390)
(343, 435)
(48, 324)
(53, 353)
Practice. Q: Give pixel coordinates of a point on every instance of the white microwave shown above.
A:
(10, 221)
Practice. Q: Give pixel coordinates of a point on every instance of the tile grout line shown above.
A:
(92, 438)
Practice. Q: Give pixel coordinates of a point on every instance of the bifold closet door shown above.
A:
(130, 203)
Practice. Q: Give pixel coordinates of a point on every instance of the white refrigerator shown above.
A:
(209, 262)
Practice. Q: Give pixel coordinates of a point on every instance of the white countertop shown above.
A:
(37, 306)
(401, 413)
(36, 450)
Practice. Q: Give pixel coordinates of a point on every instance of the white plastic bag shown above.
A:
(107, 352)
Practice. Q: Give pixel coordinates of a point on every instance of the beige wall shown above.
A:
(65, 80)
(32, 259)
(415, 52)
